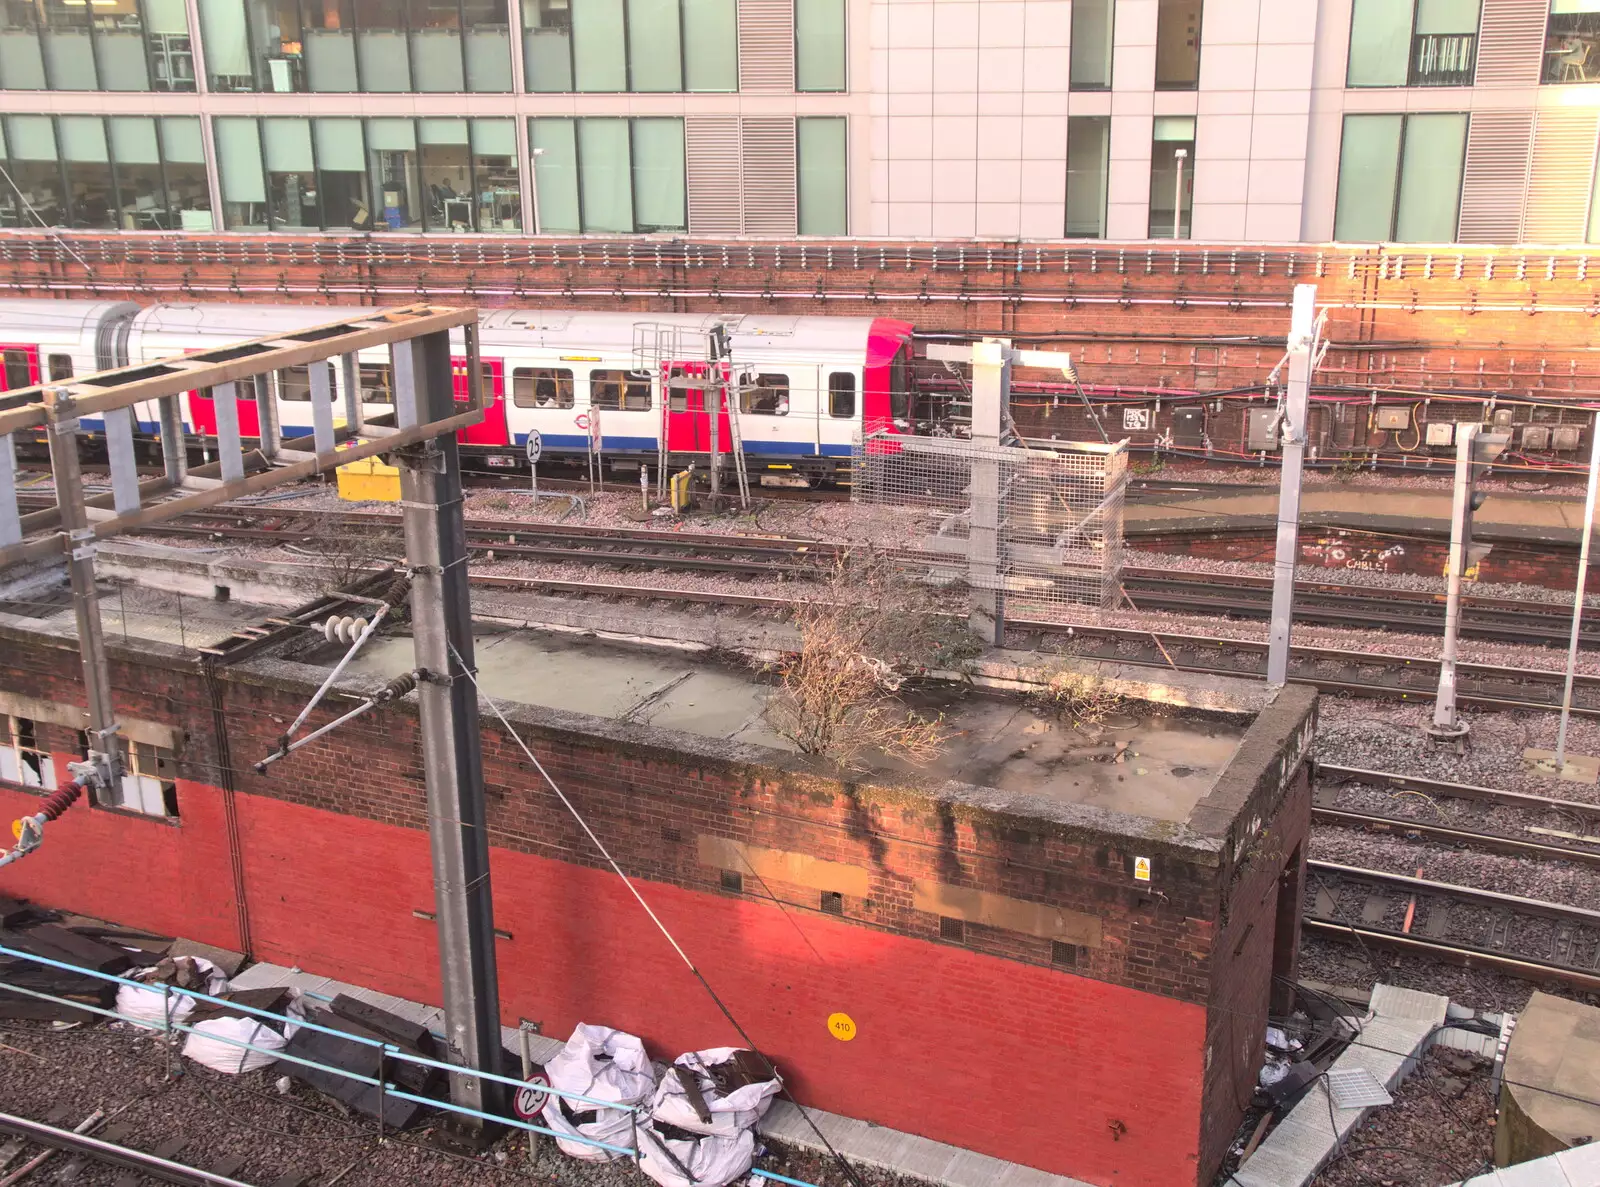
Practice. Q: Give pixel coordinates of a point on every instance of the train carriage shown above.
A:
(806, 385)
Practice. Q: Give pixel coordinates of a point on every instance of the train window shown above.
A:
(295, 384)
(841, 394)
(19, 371)
(376, 384)
(900, 383)
(769, 396)
(541, 387)
(61, 366)
(624, 391)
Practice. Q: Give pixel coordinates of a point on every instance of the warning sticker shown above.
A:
(1141, 869)
(842, 1027)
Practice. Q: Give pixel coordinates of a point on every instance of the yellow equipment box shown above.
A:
(369, 480)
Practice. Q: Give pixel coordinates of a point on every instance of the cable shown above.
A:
(654, 918)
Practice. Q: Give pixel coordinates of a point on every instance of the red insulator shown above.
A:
(59, 800)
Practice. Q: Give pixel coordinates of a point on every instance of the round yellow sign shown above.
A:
(842, 1027)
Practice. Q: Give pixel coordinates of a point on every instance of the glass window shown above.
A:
(21, 58)
(547, 45)
(541, 387)
(841, 394)
(291, 174)
(18, 366)
(256, 45)
(710, 45)
(1400, 177)
(1444, 44)
(68, 50)
(183, 158)
(1171, 176)
(330, 51)
(149, 781)
(555, 174)
(1380, 41)
(605, 182)
(494, 160)
(35, 172)
(141, 194)
(294, 383)
(599, 47)
(488, 24)
(393, 166)
(60, 366)
(655, 51)
(1092, 24)
(88, 163)
(341, 174)
(377, 383)
(819, 45)
(166, 37)
(119, 47)
(821, 173)
(436, 50)
(1412, 42)
(769, 396)
(22, 759)
(1088, 164)
(625, 391)
(1572, 41)
(446, 180)
(660, 191)
(1178, 45)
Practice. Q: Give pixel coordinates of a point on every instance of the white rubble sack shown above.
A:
(695, 1162)
(603, 1064)
(216, 1042)
(738, 1110)
(145, 1007)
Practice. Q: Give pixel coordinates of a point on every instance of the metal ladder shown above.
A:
(736, 442)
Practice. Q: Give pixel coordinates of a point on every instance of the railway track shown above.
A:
(1331, 603)
(1484, 818)
(1550, 943)
(33, 1143)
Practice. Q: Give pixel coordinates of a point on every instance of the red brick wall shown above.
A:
(1099, 1073)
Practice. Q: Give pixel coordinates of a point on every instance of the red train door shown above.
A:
(203, 408)
(21, 365)
(689, 414)
(492, 429)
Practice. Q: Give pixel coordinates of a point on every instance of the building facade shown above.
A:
(1223, 121)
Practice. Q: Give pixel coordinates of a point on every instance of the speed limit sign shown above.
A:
(535, 446)
(530, 1098)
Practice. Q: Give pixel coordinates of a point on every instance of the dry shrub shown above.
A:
(864, 631)
(1079, 698)
(344, 551)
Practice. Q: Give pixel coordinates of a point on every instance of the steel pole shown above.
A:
(1177, 196)
(1445, 722)
(1297, 400)
(452, 758)
(79, 540)
(1577, 596)
(991, 386)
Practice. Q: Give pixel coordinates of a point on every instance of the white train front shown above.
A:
(812, 383)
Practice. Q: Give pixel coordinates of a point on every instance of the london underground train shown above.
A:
(807, 385)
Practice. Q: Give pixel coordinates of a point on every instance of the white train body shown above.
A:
(812, 382)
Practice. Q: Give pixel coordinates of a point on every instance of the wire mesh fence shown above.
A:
(1041, 524)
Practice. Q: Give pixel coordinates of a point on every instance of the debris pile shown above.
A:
(703, 1117)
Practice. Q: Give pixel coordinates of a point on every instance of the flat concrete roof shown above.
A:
(1144, 759)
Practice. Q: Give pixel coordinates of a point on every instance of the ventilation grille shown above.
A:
(766, 45)
(733, 881)
(1496, 176)
(711, 144)
(831, 902)
(769, 193)
(954, 930)
(1062, 955)
(1511, 45)
(1560, 176)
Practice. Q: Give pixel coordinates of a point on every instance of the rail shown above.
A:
(385, 1050)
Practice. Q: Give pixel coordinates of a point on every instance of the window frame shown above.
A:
(1411, 77)
(626, 383)
(1399, 170)
(835, 391)
(562, 377)
(1199, 48)
(781, 402)
(12, 745)
(145, 764)
(1548, 62)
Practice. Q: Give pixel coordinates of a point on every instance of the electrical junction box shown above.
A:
(1392, 419)
(1564, 438)
(1503, 417)
(1536, 437)
(1260, 426)
(1189, 427)
(1441, 432)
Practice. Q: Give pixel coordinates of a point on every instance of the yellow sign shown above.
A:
(842, 1027)
(1141, 869)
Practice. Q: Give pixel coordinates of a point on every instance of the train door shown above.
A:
(492, 429)
(21, 365)
(203, 410)
(689, 412)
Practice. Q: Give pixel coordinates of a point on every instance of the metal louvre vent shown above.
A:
(1511, 45)
(768, 173)
(1495, 179)
(711, 145)
(1560, 175)
(766, 45)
